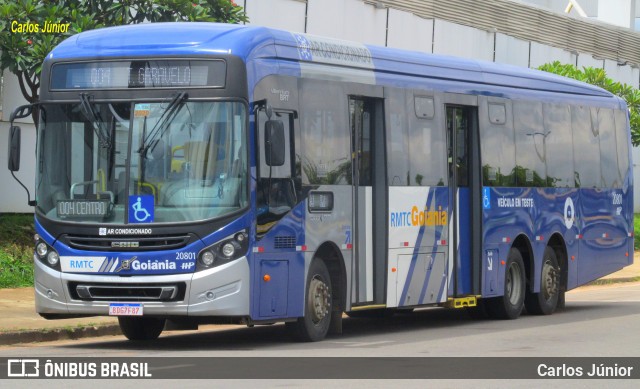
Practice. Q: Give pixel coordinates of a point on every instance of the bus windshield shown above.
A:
(155, 162)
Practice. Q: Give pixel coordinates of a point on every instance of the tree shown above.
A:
(24, 45)
(599, 78)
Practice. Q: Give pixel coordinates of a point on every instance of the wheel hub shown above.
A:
(319, 299)
(549, 280)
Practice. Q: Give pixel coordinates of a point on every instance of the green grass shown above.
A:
(16, 250)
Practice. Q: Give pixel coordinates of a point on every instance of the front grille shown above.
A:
(127, 292)
(137, 243)
(285, 242)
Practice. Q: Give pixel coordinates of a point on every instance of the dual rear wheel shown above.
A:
(550, 296)
(517, 296)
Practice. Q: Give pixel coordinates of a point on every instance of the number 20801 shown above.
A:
(185, 255)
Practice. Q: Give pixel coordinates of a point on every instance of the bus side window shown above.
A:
(497, 142)
(530, 138)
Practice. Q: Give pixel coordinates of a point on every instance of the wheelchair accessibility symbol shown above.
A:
(141, 209)
(486, 198)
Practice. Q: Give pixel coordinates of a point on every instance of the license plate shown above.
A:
(125, 309)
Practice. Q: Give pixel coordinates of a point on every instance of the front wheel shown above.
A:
(510, 304)
(141, 328)
(546, 301)
(314, 325)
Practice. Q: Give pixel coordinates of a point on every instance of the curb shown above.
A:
(50, 335)
(610, 281)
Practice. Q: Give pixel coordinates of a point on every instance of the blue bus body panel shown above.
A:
(278, 281)
(597, 239)
(464, 266)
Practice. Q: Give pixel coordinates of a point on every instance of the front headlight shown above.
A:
(228, 249)
(41, 249)
(53, 258)
(207, 258)
(47, 254)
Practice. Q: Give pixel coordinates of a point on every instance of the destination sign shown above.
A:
(83, 208)
(138, 74)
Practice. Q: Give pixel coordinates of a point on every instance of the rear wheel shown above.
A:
(141, 328)
(510, 304)
(314, 325)
(546, 301)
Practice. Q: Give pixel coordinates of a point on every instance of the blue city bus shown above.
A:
(192, 173)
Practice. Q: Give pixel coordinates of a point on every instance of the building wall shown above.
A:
(13, 197)
(357, 20)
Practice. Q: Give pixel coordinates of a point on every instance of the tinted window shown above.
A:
(325, 133)
(586, 148)
(608, 152)
(277, 191)
(397, 138)
(558, 145)
(622, 139)
(416, 145)
(530, 137)
(497, 143)
(427, 149)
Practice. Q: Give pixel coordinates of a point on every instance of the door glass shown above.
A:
(457, 122)
(361, 130)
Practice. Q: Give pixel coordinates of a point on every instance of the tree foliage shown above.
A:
(599, 78)
(23, 49)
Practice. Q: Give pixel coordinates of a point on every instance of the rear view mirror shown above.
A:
(14, 148)
(274, 143)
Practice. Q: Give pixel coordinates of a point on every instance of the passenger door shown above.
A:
(464, 180)
(366, 121)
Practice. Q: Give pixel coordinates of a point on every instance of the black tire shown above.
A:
(546, 301)
(561, 301)
(315, 323)
(141, 328)
(509, 305)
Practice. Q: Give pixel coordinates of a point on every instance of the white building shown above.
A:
(597, 33)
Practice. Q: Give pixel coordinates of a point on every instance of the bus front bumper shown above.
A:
(220, 291)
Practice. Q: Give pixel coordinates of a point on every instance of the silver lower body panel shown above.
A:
(220, 291)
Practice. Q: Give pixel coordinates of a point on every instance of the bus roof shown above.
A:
(246, 42)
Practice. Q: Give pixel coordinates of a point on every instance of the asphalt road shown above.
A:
(598, 322)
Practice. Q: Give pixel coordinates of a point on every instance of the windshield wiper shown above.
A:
(163, 122)
(95, 119)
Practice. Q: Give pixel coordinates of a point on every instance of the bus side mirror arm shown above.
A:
(15, 143)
